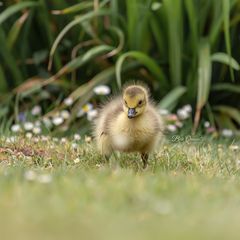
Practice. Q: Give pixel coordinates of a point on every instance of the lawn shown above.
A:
(61, 189)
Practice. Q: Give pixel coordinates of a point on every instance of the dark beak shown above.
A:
(131, 112)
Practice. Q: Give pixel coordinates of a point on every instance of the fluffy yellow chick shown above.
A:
(129, 123)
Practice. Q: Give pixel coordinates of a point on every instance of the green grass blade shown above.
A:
(79, 61)
(90, 54)
(45, 22)
(73, 23)
(174, 19)
(171, 99)
(204, 73)
(193, 22)
(232, 112)
(16, 8)
(226, 59)
(132, 11)
(74, 8)
(115, 10)
(3, 81)
(160, 38)
(16, 29)
(9, 59)
(204, 79)
(226, 87)
(144, 59)
(226, 16)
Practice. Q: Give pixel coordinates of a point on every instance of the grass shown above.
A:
(51, 50)
(50, 189)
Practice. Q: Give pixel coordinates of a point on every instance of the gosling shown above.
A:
(129, 123)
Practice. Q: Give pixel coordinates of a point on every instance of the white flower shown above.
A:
(102, 90)
(44, 138)
(36, 139)
(234, 147)
(206, 124)
(47, 122)
(182, 114)
(77, 160)
(57, 121)
(44, 178)
(37, 130)
(171, 128)
(36, 110)
(77, 137)
(227, 132)
(65, 114)
(86, 108)
(63, 140)
(68, 101)
(187, 108)
(163, 112)
(74, 145)
(80, 113)
(92, 114)
(30, 175)
(16, 128)
(28, 135)
(55, 139)
(28, 126)
(11, 139)
(179, 124)
(37, 123)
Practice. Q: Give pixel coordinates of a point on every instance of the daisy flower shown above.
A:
(16, 128)
(68, 101)
(77, 137)
(92, 114)
(102, 90)
(171, 128)
(28, 126)
(36, 110)
(57, 121)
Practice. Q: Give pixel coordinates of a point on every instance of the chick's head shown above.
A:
(134, 101)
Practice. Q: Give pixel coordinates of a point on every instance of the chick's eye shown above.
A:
(125, 102)
(140, 102)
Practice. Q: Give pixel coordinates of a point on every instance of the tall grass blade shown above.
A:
(147, 61)
(73, 23)
(79, 61)
(171, 99)
(174, 20)
(74, 8)
(16, 8)
(226, 87)
(204, 79)
(132, 11)
(226, 59)
(3, 81)
(232, 112)
(9, 59)
(226, 16)
(16, 29)
(44, 21)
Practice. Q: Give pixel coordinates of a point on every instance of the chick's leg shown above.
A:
(104, 146)
(144, 157)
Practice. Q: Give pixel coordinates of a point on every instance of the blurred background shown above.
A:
(60, 58)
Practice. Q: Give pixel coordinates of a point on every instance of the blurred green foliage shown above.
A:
(186, 50)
